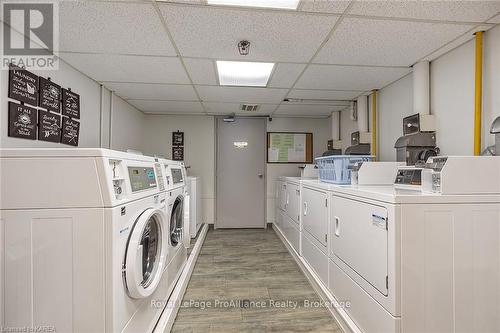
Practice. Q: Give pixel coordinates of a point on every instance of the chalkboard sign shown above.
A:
(22, 121)
(49, 126)
(178, 153)
(70, 131)
(177, 138)
(23, 85)
(70, 104)
(50, 95)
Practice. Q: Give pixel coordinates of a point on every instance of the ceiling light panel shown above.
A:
(241, 73)
(281, 4)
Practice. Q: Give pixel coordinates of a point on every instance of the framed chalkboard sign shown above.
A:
(70, 131)
(178, 153)
(70, 104)
(49, 126)
(23, 85)
(50, 95)
(22, 121)
(177, 138)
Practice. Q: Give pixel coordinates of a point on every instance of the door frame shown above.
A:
(216, 122)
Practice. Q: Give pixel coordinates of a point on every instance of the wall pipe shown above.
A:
(362, 106)
(478, 93)
(374, 124)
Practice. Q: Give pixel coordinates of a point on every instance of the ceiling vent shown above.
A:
(249, 107)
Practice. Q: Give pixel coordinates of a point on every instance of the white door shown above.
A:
(293, 199)
(241, 169)
(315, 214)
(360, 239)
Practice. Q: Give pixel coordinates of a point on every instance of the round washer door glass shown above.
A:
(145, 254)
(176, 221)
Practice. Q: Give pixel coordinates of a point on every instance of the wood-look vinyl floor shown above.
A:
(246, 281)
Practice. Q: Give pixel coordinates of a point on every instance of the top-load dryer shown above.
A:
(85, 240)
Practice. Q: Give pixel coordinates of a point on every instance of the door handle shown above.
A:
(337, 226)
(305, 208)
(260, 175)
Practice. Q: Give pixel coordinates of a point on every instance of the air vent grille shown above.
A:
(249, 107)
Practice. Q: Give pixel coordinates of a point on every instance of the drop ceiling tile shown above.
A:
(106, 27)
(227, 108)
(284, 75)
(202, 71)
(495, 19)
(241, 94)
(324, 94)
(124, 68)
(168, 107)
(213, 32)
(456, 43)
(325, 6)
(164, 92)
(349, 77)
(305, 110)
(359, 41)
(457, 10)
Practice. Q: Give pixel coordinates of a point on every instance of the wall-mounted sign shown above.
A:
(70, 104)
(23, 85)
(70, 131)
(178, 153)
(177, 138)
(49, 126)
(22, 121)
(50, 95)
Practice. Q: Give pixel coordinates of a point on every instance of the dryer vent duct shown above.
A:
(421, 88)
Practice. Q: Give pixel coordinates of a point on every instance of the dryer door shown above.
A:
(145, 254)
(186, 237)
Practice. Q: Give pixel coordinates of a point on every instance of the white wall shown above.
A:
(94, 113)
(127, 124)
(491, 83)
(199, 149)
(394, 103)
(322, 132)
(452, 99)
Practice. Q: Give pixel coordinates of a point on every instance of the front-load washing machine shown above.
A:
(177, 212)
(86, 240)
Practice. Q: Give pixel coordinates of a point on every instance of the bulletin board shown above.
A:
(289, 147)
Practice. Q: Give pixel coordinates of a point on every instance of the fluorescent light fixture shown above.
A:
(281, 4)
(242, 73)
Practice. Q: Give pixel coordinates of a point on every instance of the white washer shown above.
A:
(85, 233)
(177, 212)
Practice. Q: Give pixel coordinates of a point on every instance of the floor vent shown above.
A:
(249, 107)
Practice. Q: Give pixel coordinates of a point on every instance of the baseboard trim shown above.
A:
(168, 316)
(338, 313)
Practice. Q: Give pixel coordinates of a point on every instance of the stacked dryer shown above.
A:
(86, 240)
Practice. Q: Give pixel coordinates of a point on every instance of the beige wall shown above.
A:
(199, 149)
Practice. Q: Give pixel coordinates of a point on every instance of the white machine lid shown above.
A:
(145, 256)
(389, 194)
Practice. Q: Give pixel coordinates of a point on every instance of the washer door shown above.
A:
(177, 221)
(145, 254)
